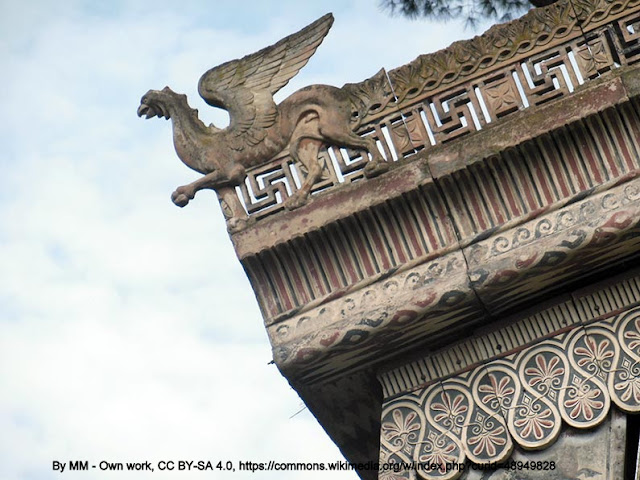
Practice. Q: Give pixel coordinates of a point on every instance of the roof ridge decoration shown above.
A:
(440, 97)
(272, 157)
(522, 399)
(540, 27)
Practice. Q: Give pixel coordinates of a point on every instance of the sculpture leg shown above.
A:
(213, 180)
(340, 138)
(305, 150)
(377, 165)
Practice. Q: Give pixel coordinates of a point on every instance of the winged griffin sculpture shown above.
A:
(259, 129)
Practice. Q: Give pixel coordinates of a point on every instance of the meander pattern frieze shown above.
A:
(574, 377)
(443, 96)
(540, 28)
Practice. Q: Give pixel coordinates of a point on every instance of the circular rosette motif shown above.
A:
(402, 428)
(585, 401)
(447, 414)
(624, 380)
(534, 419)
(487, 437)
(521, 399)
(438, 451)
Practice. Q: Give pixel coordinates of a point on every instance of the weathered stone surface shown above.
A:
(438, 98)
(532, 148)
(539, 198)
(325, 209)
(568, 244)
(593, 98)
(511, 334)
(417, 303)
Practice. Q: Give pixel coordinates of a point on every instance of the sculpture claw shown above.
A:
(375, 168)
(182, 196)
(181, 200)
(295, 201)
(236, 224)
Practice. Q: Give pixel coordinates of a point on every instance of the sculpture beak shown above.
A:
(143, 109)
(150, 111)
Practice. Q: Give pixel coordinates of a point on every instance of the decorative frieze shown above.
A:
(519, 332)
(567, 244)
(537, 176)
(421, 302)
(545, 172)
(478, 350)
(348, 254)
(574, 377)
(376, 321)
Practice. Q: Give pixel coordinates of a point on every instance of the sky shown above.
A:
(128, 329)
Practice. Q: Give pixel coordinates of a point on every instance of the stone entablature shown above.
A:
(437, 294)
(488, 183)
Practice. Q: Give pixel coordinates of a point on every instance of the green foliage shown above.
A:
(471, 10)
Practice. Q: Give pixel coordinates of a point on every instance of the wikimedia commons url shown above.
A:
(275, 466)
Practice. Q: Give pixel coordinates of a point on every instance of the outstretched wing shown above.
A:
(245, 87)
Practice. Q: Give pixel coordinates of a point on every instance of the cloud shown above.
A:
(128, 330)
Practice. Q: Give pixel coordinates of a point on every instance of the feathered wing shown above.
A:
(245, 87)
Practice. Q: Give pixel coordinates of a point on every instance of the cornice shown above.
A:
(456, 291)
